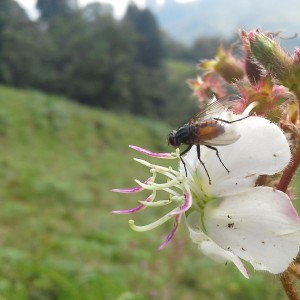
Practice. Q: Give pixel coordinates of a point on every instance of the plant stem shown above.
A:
(289, 172)
(288, 286)
(283, 184)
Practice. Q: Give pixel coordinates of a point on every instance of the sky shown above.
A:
(119, 5)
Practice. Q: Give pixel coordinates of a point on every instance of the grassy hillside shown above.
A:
(58, 239)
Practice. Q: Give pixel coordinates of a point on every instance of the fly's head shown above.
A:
(172, 139)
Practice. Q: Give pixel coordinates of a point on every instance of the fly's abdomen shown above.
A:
(215, 133)
(209, 129)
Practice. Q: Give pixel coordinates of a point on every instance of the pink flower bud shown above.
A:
(225, 64)
(268, 53)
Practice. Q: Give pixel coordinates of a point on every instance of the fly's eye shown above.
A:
(171, 139)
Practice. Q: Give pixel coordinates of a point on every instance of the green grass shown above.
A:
(58, 238)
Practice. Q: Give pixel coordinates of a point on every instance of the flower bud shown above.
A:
(296, 57)
(225, 64)
(270, 55)
(252, 69)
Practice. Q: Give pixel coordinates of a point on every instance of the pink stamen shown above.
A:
(171, 234)
(134, 209)
(132, 190)
(187, 204)
(153, 154)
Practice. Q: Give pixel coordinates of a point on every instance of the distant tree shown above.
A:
(14, 36)
(22, 59)
(9, 10)
(4, 8)
(205, 47)
(92, 60)
(149, 45)
(96, 9)
(90, 57)
(177, 50)
(54, 8)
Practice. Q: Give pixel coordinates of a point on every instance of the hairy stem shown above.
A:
(288, 286)
(295, 270)
(283, 184)
(289, 172)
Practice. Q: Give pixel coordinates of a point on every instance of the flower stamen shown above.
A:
(171, 234)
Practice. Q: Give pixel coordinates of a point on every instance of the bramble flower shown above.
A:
(237, 205)
(207, 86)
(230, 219)
(265, 94)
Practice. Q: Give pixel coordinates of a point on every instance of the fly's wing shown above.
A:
(214, 108)
(217, 134)
(226, 138)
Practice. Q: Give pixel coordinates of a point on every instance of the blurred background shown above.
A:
(79, 81)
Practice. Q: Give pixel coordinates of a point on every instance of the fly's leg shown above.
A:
(202, 163)
(229, 122)
(217, 153)
(181, 154)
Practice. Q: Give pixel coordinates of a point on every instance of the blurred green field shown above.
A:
(58, 238)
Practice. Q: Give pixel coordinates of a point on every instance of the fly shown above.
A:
(203, 129)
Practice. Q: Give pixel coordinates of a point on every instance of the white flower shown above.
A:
(240, 220)
(230, 218)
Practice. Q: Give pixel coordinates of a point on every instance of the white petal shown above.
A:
(209, 247)
(222, 182)
(260, 226)
(261, 149)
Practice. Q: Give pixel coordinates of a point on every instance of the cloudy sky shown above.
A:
(119, 5)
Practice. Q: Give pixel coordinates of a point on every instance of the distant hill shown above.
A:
(185, 22)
